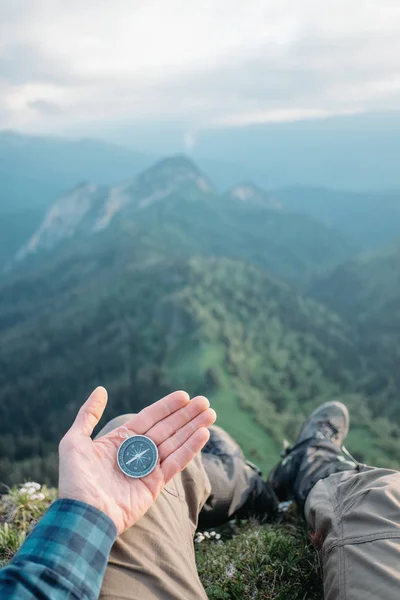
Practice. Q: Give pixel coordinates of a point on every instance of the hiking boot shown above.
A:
(317, 453)
(238, 490)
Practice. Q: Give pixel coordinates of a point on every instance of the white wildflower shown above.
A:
(206, 534)
(34, 485)
(30, 488)
(199, 538)
(230, 571)
(39, 496)
(217, 536)
(284, 506)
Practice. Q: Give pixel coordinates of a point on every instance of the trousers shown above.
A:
(354, 517)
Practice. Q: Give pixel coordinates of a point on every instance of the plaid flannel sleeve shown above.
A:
(64, 557)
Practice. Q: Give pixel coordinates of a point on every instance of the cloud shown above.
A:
(207, 62)
(45, 107)
(23, 63)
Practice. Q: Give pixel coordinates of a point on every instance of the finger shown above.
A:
(178, 460)
(154, 413)
(167, 427)
(170, 445)
(90, 413)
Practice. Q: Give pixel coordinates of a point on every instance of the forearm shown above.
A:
(64, 557)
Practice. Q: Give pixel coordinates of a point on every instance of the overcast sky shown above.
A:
(75, 65)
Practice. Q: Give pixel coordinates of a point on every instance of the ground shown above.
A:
(275, 561)
(270, 562)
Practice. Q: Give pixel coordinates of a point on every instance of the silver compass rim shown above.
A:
(125, 442)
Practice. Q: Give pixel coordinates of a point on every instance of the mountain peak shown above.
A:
(172, 173)
(177, 161)
(178, 164)
(88, 209)
(252, 194)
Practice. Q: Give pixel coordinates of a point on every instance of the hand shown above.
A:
(89, 471)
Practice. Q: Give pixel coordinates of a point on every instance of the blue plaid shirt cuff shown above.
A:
(66, 554)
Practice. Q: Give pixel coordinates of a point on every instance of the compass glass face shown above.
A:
(137, 456)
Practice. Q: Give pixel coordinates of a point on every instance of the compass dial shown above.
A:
(137, 456)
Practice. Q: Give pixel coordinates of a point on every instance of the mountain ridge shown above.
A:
(90, 208)
(371, 219)
(175, 190)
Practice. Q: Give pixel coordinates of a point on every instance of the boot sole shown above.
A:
(321, 408)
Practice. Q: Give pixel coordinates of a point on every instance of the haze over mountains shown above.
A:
(244, 223)
(353, 152)
(35, 171)
(161, 279)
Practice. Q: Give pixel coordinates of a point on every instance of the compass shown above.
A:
(137, 456)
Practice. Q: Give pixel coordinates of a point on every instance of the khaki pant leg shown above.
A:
(355, 516)
(155, 558)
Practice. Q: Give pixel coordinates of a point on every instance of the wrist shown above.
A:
(83, 498)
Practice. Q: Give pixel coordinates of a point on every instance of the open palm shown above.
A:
(89, 471)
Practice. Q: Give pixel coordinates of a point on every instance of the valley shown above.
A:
(163, 283)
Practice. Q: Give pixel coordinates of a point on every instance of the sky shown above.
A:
(84, 66)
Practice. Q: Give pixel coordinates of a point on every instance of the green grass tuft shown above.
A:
(20, 510)
(269, 562)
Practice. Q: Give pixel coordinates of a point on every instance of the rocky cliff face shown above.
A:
(88, 209)
(252, 194)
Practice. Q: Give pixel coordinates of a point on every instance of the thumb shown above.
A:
(90, 413)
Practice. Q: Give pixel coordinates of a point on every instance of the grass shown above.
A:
(255, 442)
(269, 562)
(244, 560)
(187, 368)
(20, 510)
(362, 443)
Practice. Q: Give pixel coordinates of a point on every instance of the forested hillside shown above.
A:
(371, 220)
(263, 354)
(181, 288)
(366, 292)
